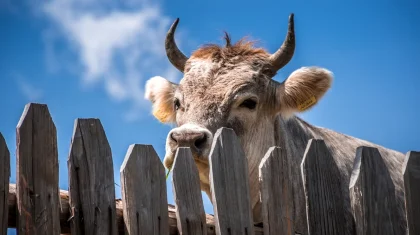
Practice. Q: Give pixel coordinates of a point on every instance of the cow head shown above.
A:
(231, 86)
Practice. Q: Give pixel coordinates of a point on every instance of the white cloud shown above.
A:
(29, 91)
(118, 49)
(116, 89)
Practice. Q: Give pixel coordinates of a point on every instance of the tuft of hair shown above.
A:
(243, 48)
(227, 39)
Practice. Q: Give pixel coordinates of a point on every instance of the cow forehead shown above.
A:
(218, 81)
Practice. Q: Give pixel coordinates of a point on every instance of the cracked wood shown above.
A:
(91, 180)
(187, 194)
(230, 185)
(143, 187)
(37, 172)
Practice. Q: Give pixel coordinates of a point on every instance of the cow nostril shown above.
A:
(200, 142)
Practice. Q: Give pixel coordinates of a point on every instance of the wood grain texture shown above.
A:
(276, 192)
(37, 172)
(64, 211)
(187, 194)
(143, 186)
(321, 178)
(91, 180)
(4, 184)
(230, 185)
(372, 194)
(65, 215)
(411, 172)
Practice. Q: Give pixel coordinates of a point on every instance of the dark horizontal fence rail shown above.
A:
(35, 205)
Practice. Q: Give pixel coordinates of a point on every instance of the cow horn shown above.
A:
(285, 53)
(175, 56)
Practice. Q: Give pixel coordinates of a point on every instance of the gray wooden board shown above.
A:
(143, 187)
(321, 178)
(276, 192)
(91, 180)
(191, 218)
(372, 194)
(411, 171)
(4, 185)
(65, 215)
(230, 185)
(37, 172)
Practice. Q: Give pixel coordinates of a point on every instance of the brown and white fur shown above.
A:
(216, 83)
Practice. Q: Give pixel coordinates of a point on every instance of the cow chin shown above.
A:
(201, 161)
(188, 135)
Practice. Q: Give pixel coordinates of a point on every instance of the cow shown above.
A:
(232, 86)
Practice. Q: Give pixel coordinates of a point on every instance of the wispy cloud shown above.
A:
(115, 48)
(28, 90)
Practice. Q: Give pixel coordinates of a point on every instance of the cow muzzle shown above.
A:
(197, 138)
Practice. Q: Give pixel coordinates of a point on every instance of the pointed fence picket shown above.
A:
(4, 184)
(91, 180)
(187, 194)
(374, 208)
(143, 188)
(411, 172)
(229, 183)
(37, 173)
(276, 192)
(321, 178)
(35, 204)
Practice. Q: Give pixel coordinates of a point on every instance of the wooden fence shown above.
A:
(35, 205)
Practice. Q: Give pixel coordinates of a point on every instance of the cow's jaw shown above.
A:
(200, 157)
(203, 168)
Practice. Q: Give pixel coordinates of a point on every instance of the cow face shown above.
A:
(230, 87)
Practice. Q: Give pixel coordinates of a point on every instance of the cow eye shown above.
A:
(176, 104)
(249, 103)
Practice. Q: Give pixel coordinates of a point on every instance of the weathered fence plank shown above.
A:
(276, 192)
(411, 171)
(187, 194)
(229, 184)
(91, 180)
(65, 215)
(143, 187)
(64, 211)
(321, 178)
(372, 194)
(37, 172)
(4, 185)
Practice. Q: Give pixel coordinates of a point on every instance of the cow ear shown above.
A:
(303, 89)
(161, 93)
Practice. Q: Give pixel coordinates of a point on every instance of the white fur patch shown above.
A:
(314, 70)
(154, 86)
(160, 92)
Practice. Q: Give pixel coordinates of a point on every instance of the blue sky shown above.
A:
(91, 59)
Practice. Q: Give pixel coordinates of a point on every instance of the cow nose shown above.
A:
(196, 140)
